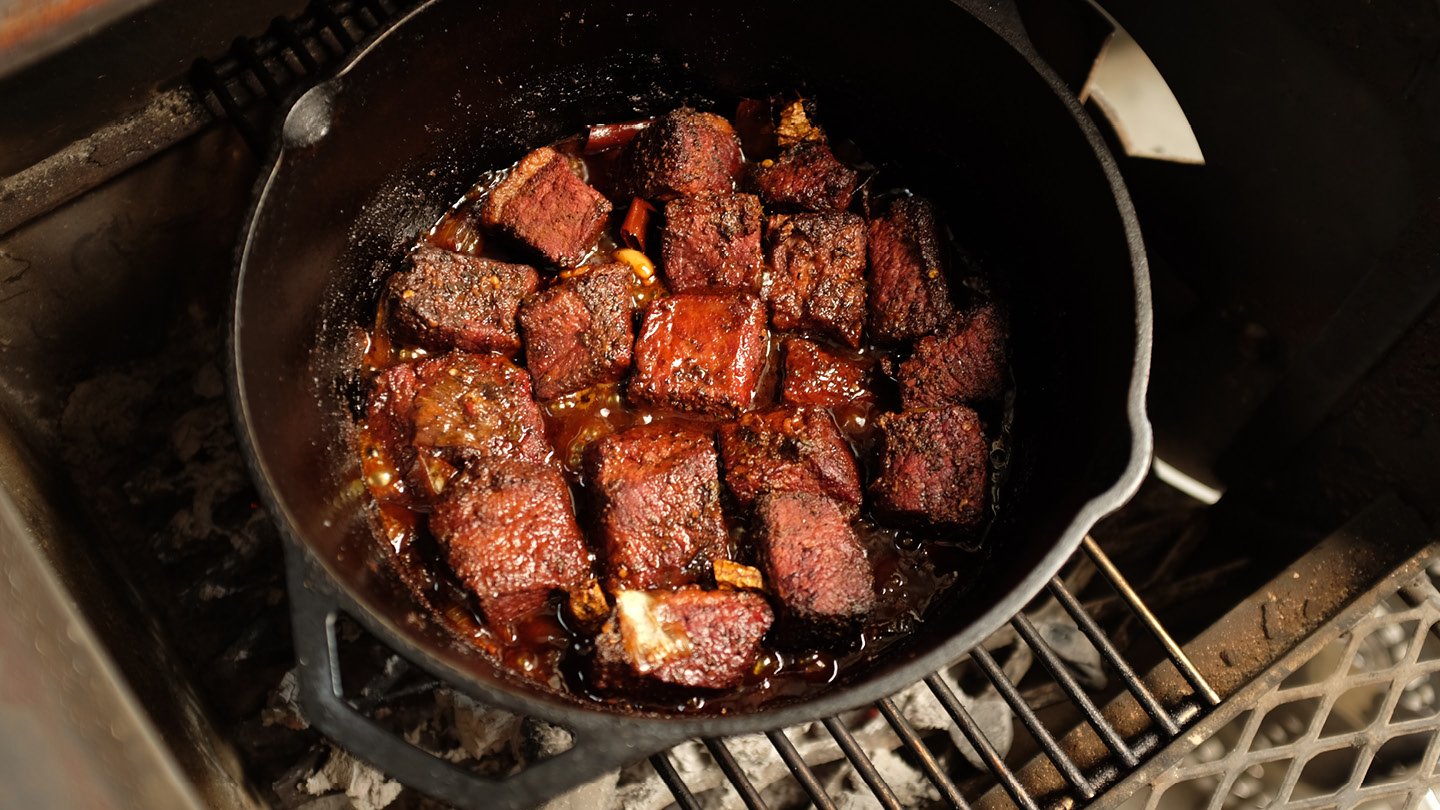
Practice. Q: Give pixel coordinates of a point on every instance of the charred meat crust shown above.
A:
(712, 240)
(683, 153)
(788, 450)
(812, 559)
(963, 362)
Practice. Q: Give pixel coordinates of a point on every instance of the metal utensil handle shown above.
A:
(315, 609)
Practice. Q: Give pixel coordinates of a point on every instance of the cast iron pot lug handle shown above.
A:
(315, 608)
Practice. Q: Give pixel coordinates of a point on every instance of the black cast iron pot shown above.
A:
(951, 91)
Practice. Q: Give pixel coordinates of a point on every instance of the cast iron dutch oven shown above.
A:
(951, 91)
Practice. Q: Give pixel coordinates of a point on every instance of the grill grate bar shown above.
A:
(800, 770)
(993, 761)
(928, 763)
(1137, 605)
(1072, 689)
(1037, 729)
(1112, 656)
(671, 777)
(862, 763)
(733, 772)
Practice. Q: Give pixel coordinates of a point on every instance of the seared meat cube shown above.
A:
(701, 353)
(580, 332)
(471, 407)
(509, 531)
(909, 296)
(788, 450)
(658, 493)
(818, 261)
(712, 241)
(813, 561)
(815, 375)
(964, 362)
(545, 204)
(390, 458)
(453, 301)
(806, 176)
(690, 638)
(934, 467)
(683, 153)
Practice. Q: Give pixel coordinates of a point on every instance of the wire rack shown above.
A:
(1126, 751)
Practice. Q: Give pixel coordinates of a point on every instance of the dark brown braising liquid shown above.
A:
(909, 573)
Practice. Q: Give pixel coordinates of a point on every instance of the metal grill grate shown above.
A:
(1128, 751)
(1355, 725)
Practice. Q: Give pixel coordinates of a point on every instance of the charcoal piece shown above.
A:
(815, 375)
(509, 532)
(813, 561)
(580, 332)
(682, 154)
(712, 240)
(934, 468)
(474, 407)
(788, 450)
(701, 353)
(687, 638)
(544, 203)
(963, 362)
(818, 267)
(909, 295)
(806, 177)
(453, 301)
(657, 491)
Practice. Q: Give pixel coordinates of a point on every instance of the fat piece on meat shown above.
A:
(687, 638)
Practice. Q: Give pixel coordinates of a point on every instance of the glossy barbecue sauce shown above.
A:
(911, 571)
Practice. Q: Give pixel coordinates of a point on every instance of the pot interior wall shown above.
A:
(461, 88)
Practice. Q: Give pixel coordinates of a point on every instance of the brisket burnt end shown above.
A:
(544, 203)
(658, 501)
(712, 240)
(818, 262)
(580, 332)
(909, 296)
(934, 468)
(509, 532)
(453, 301)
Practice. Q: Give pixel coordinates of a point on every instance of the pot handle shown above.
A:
(315, 608)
